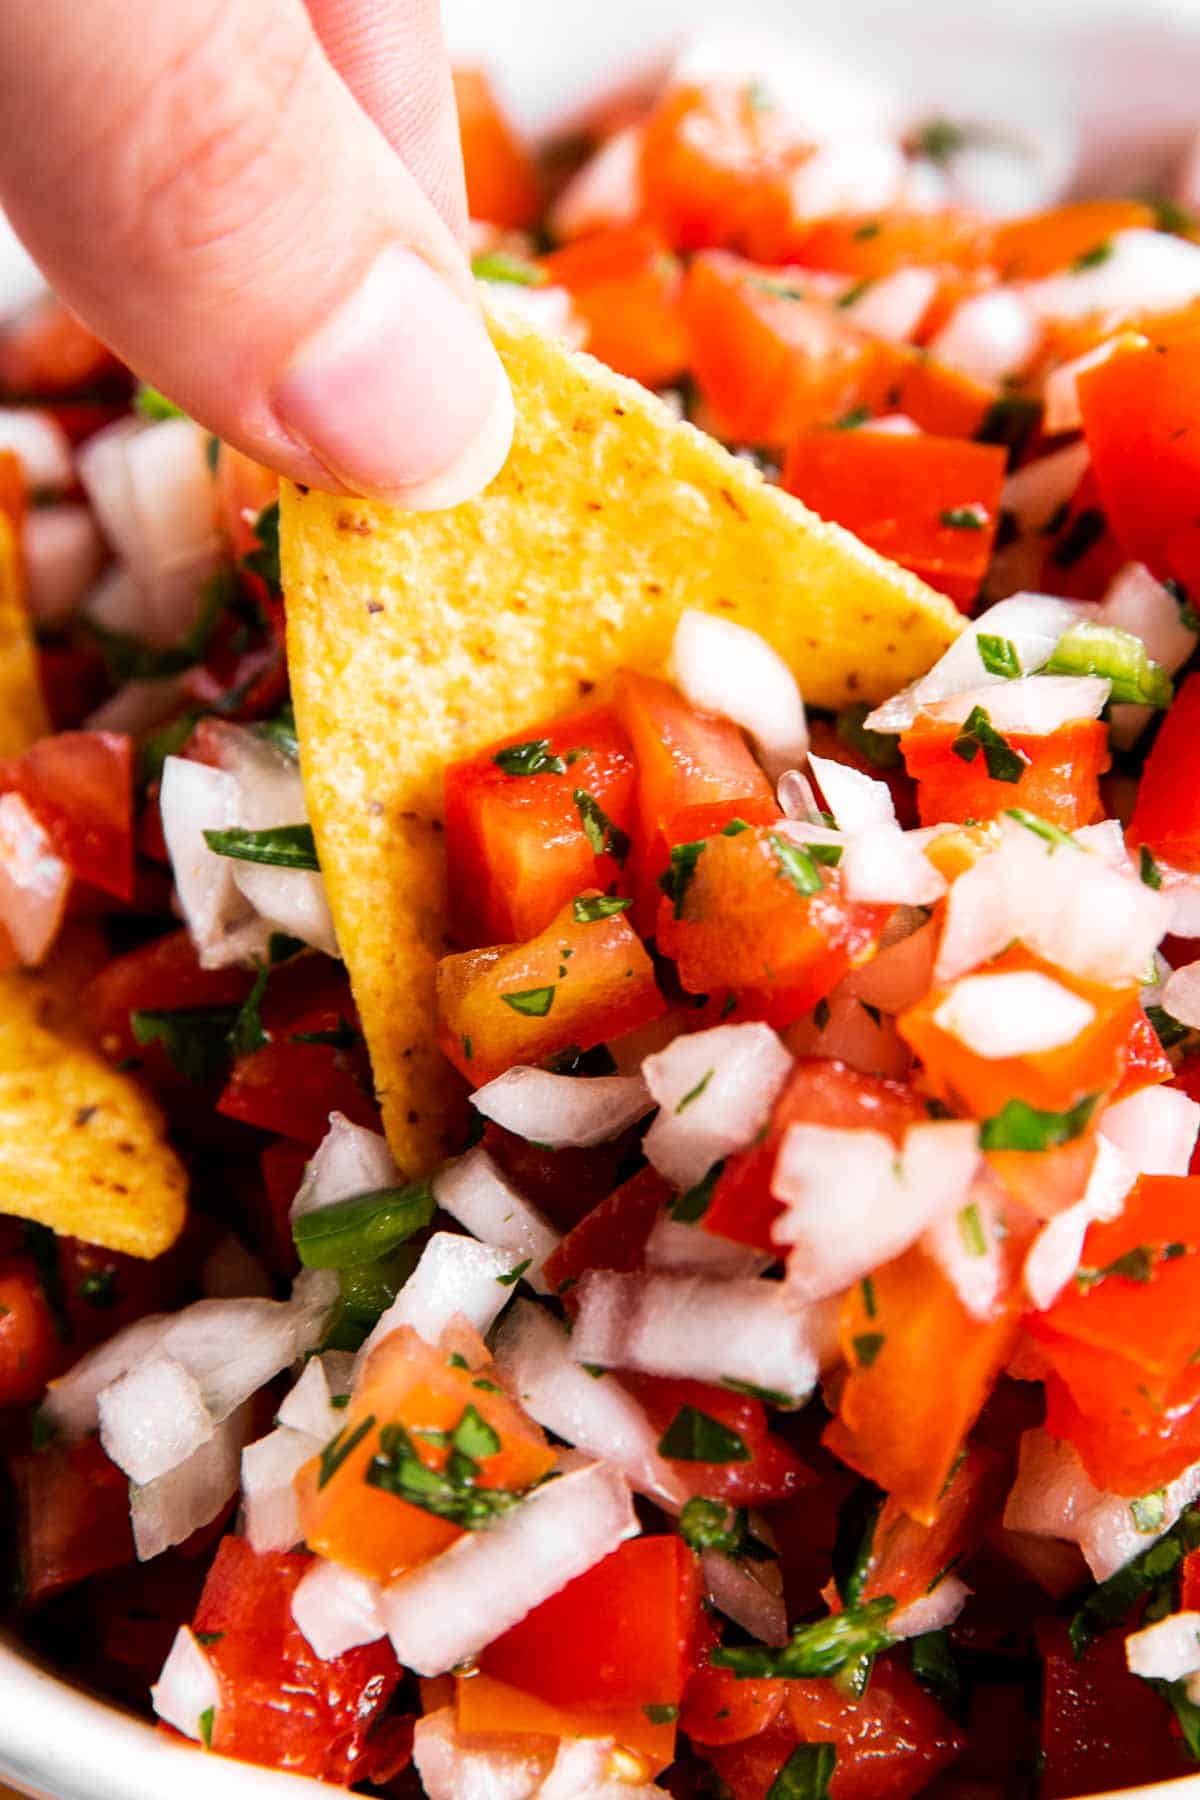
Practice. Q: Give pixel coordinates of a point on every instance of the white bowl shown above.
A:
(1113, 80)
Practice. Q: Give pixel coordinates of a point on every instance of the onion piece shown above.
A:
(455, 1276)
(893, 306)
(700, 1328)
(309, 1407)
(1053, 1257)
(1135, 602)
(966, 1246)
(449, 1608)
(858, 802)
(1167, 1650)
(689, 1249)
(932, 1612)
(187, 1689)
(63, 554)
(796, 797)
(1031, 623)
(714, 1089)
(1019, 1013)
(561, 1110)
(153, 1417)
(473, 1191)
(40, 445)
(349, 1160)
(336, 1610)
(852, 1202)
(1034, 704)
(167, 1510)
(723, 668)
(989, 337)
(1141, 271)
(1060, 390)
(1053, 1497)
(595, 1414)
(269, 1468)
(223, 925)
(453, 1767)
(1181, 995)
(738, 1590)
(888, 867)
(35, 882)
(1155, 1129)
(1036, 492)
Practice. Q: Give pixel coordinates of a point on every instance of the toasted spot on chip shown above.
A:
(22, 713)
(609, 519)
(82, 1147)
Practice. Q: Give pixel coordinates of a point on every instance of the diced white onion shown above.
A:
(1167, 1650)
(1142, 271)
(852, 1201)
(593, 1413)
(153, 1417)
(223, 925)
(893, 306)
(932, 1612)
(888, 867)
(723, 668)
(455, 1275)
(1035, 493)
(449, 1608)
(309, 1407)
(63, 554)
(561, 1110)
(737, 1590)
(690, 1249)
(1155, 1128)
(187, 1688)
(35, 882)
(858, 802)
(1053, 1257)
(700, 1328)
(1134, 601)
(1060, 390)
(967, 1248)
(1181, 995)
(1053, 1497)
(714, 1090)
(40, 445)
(1017, 1012)
(169, 1509)
(473, 1191)
(796, 797)
(989, 337)
(336, 1609)
(1036, 704)
(847, 172)
(270, 1507)
(454, 1767)
(349, 1160)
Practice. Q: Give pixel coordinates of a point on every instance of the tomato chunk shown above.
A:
(1060, 780)
(626, 286)
(907, 1558)
(613, 1235)
(520, 845)
(72, 1517)
(1166, 816)
(1102, 1728)
(1139, 409)
(161, 976)
(280, 1704)
(30, 1351)
(771, 1471)
(934, 396)
(79, 785)
(1042, 242)
(932, 504)
(873, 244)
(578, 983)
(502, 179)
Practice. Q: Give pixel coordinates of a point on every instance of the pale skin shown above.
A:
(259, 204)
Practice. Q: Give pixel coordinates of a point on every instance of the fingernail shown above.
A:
(401, 394)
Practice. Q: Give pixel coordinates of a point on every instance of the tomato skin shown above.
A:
(1060, 781)
(612, 1235)
(907, 1558)
(291, 1089)
(772, 1472)
(502, 181)
(768, 362)
(1102, 1728)
(1166, 816)
(895, 492)
(1138, 410)
(603, 987)
(819, 1091)
(626, 286)
(280, 1705)
(282, 1164)
(79, 785)
(620, 1634)
(719, 1708)
(1117, 1459)
(1041, 243)
(872, 244)
(516, 847)
(30, 1350)
(565, 1185)
(162, 975)
(72, 1517)
(1146, 1062)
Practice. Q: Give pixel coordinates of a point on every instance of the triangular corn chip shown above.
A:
(82, 1147)
(22, 714)
(415, 639)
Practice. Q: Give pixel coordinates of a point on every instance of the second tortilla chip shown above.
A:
(415, 639)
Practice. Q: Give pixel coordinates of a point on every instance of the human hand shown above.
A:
(259, 204)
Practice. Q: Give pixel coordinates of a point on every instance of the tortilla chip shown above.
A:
(415, 639)
(82, 1147)
(22, 714)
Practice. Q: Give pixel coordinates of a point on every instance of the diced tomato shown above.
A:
(1118, 1458)
(920, 1370)
(1189, 1583)
(1166, 816)
(890, 1743)
(907, 1558)
(721, 1708)
(502, 180)
(291, 1089)
(244, 490)
(74, 680)
(1045, 1181)
(1054, 1080)
(283, 1164)
(1043, 242)
(72, 1517)
(626, 286)
(281, 1705)
(869, 244)
(1102, 1728)
(518, 846)
(742, 922)
(613, 1235)
(1084, 555)
(30, 1350)
(717, 170)
(163, 975)
(619, 1635)
(1139, 411)
(769, 359)
(408, 1383)
(819, 1091)
(566, 1184)
(79, 785)
(1059, 782)
(934, 396)
(772, 1470)
(694, 775)
(931, 504)
(104, 1290)
(486, 1708)
(47, 351)
(1146, 1062)
(579, 983)
(12, 491)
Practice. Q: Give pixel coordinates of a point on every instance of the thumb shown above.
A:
(221, 210)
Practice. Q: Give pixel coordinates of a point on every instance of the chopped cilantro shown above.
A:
(264, 562)
(247, 1033)
(850, 421)
(1136, 1265)
(855, 292)
(806, 1774)
(1111, 1602)
(824, 1647)
(854, 1543)
(867, 1288)
(588, 908)
(695, 1093)
(768, 1396)
(280, 846)
(998, 656)
(205, 1638)
(205, 1722)
(1003, 763)
(1086, 529)
(99, 1288)
(1010, 420)
(532, 1003)
(1054, 835)
(939, 140)
(280, 731)
(970, 1230)
(867, 1346)
(1019, 1126)
(964, 518)
(149, 403)
(340, 1447)
(532, 758)
(451, 1493)
(797, 864)
(342, 1036)
(661, 1715)
(933, 1663)
(676, 879)
(195, 1038)
(1188, 616)
(212, 453)
(693, 1204)
(498, 265)
(514, 1275)
(604, 837)
(1148, 869)
(1092, 259)
(1169, 1031)
(878, 747)
(694, 1436)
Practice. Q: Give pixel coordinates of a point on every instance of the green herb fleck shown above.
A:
(695, 1093)
(806, 1774)
(1054, 835)
(1092, 259)
(205, 1723)
(604, 837)
(676, 879)
(867, 1346)
(964, 518)
(514, 1275)
(340, 1447)
(1003, 763)
(998, 656)
(694, 1436)
(532, 758)
(279, 846)
(822, 1648)
(797, 864)
(498, 265)
(692, 1205)
(1020, 1126)
(970, 1230)
(531, 1003)
(149, 403)
(264, 562)
(588, 908)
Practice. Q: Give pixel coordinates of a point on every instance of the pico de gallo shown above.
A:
(790, 1387)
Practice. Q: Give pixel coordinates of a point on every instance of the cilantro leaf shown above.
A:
(797, 864)
(694, 1436)
(532, 758)
(676, 878)
(824, 1647)
(603, 836)
(531, 1003)
(806, 1774)
(879, 747)
(693, 1204)
(589, 908)
(1019, 1126)
(264, 561)
(998, 656)
(196, 1038)
(1113, 1600)
(1003, 763)
(964, 518)
(280, 846)
(149, 403)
